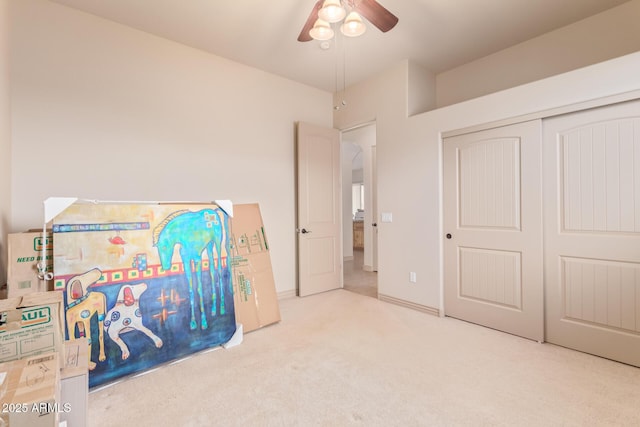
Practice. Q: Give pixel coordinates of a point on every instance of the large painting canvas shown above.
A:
(145, 283)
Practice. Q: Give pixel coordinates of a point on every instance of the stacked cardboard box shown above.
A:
(31, 342)
(25, 251)
(30, 391)
(31, 325)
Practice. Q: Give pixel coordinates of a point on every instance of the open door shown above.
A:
(319, 209)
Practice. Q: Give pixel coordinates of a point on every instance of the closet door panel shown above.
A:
(493, 227)
(592, 231)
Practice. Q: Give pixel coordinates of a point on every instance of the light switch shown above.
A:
(387, 217)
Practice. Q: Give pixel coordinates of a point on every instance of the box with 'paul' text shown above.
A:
(31, 325)
(25, 251)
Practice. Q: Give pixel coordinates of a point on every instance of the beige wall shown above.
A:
(421, 87)
(102, 111)
(409, 148)
(5, 138)
(118, 114)
(410, 160)
(607, 35)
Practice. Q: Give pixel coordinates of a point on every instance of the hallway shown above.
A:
(356, 279)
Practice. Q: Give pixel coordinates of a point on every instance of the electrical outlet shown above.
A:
(412, 277)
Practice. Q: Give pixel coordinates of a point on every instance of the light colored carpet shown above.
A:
(343, 359)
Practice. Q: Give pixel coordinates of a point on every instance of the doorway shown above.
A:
(360, 210)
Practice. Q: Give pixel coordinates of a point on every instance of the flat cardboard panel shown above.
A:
(147, 283)
(30, 391)
(74, 393)
(24, 253)
(74, 383)
(256, 300)
(76, 361)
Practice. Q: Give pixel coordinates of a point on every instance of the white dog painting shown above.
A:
(126, 316)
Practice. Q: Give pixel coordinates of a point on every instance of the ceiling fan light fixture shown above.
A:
(332, 11)
(353, 25)
(321, 30)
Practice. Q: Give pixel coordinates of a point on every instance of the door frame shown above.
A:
(370, 244)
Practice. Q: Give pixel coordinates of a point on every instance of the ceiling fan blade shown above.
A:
(304, 34)
(377, 14)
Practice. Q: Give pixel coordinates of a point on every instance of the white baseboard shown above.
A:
(367, 268)
(348, 258)
(408, 304)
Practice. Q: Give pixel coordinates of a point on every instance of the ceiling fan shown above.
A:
(317, 25)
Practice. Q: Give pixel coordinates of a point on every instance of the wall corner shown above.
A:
(421, 89)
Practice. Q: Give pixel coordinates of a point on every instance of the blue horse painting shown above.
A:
(196, 233)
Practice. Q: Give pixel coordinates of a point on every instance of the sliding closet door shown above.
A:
(493, 229)
(592, 231)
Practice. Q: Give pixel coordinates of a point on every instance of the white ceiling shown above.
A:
(437, 34)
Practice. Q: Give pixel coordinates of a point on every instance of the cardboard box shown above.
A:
(24, 254)
(255, 297)
(30, 391)
(31, 325)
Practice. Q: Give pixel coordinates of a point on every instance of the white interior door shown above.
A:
(493, 226)
(319, 209)
(592, 231)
